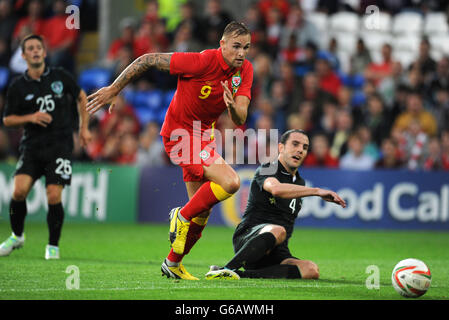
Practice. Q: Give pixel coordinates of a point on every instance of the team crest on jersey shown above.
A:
(236, 81)
(204, 155)
(57, 88)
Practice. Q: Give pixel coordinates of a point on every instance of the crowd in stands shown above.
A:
(363, 105)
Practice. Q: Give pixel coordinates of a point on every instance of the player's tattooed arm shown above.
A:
(160, 61)
(108, 94)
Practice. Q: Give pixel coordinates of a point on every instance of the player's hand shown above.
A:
(42, 119)
(227, 95)
(101, 98)
(85, 137)
(331, 196)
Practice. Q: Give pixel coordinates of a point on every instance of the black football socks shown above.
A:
(252, 251)
(17, 214)
(278, 271)
(55, 219)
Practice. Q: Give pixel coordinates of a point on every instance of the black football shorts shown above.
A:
(276, 256)
(55, 163)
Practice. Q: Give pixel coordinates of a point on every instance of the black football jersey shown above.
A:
(56, 93)
(263, 207)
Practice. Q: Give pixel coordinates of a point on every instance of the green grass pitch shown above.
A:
(117, 261)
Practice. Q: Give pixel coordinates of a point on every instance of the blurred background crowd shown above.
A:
(367, 80)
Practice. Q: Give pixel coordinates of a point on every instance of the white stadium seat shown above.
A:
(407, 22)
(407, 43)
(440, 43)
(435, 23)
(406, 58)
(344, 22)
(375, 40)
(346, 41)
(319, 19)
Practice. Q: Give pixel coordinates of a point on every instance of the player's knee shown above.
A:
(280, 233)
(309, 270)
(232, 184)
(19, 194)
(53, 195)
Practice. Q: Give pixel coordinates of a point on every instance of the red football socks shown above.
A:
(204, 199)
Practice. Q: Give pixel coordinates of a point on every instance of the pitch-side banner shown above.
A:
(375, 199)
(98, 193)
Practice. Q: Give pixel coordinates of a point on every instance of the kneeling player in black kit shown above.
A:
(43, 100)
(261, 239)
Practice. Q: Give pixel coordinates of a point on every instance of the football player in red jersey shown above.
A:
(209, 82)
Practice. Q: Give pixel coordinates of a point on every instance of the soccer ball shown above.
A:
(411, 278)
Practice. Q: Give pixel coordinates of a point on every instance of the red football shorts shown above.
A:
(191, 154)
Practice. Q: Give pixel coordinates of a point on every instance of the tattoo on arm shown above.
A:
(142, 64)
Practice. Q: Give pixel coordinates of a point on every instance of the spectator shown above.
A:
(5, 154)
(389, 86)
(183, 41)
(189, 17)
(124, 57)
(310, 90)
(328, 79)
(355, 158)
(255, 24)
(441, 107)
(416, 145)
(34, 21)
(328, 120)
(370, 147)
(319, 154)
(273, 30)
(5, 54)
(151, 150)
(144, 41)
(445, 148)
(279, 101)
(440, 78)
(344, 123)
(376, 118)
(307, 58)
(61, 41)
(8, 22)
(122, 120)
(215, 21)
(17, 64)
(304, 30)
(126, 39)
(389, 155)
(262, 76)
(376, 72)
(425, 63)
(361, 58)
(127, 149)
(433, 160)
(282, 6)
(415, 111)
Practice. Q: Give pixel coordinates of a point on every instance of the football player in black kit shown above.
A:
(261, 239)
(43, 100)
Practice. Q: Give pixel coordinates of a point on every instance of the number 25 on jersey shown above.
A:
(46, 103)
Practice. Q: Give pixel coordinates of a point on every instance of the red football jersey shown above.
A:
(199, 94)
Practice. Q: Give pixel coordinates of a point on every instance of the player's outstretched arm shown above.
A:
(108, 94)
(84, 133)
(290, 191)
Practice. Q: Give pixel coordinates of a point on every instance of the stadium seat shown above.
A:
(375, 40)
(320, 20)
(407, 42)
(150, 100)
(407, 22)
(344, 22)
(94, 78)
(436, 23)
(346, 42)
(440, 42)
(378, 23)
(406, 58)
(4, 77)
